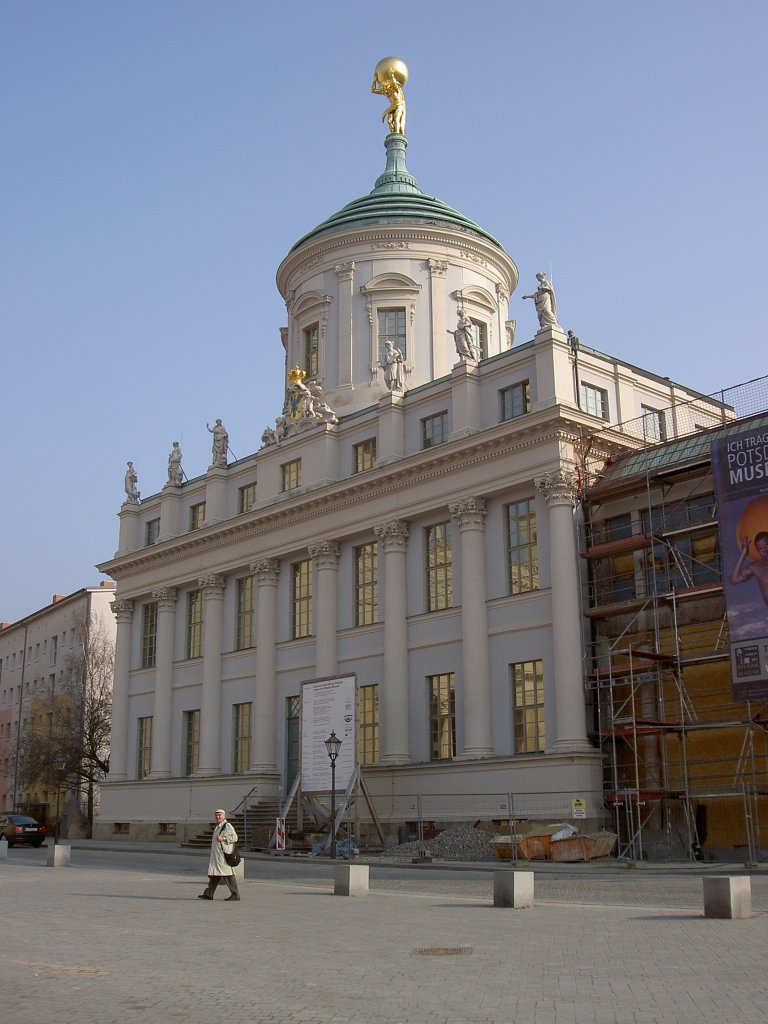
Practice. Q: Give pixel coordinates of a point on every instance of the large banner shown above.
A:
(327, 704)
(740, 466)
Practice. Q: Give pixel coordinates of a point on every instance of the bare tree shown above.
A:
(74, 722)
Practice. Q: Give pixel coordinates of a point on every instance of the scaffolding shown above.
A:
(685, 767)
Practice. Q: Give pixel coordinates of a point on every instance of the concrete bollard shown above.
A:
(3, 848)
(513, 889)
(350, 880)
(728, 896)
(59, 855)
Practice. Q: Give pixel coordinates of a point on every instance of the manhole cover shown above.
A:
(441, 951)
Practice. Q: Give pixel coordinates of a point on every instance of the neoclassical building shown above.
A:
(410, 519)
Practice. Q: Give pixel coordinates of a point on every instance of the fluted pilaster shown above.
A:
(123, 612)
(395, 727)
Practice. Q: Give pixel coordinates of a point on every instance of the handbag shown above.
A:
(233, 858)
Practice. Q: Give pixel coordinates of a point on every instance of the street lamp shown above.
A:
(333, 745)
(59, 764)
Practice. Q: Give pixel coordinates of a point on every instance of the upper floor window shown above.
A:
(149, 635)
(368, 735)
(290, 475)
(594, 400)
(311, 349)
(522, 547)
(194, 623)
(151, 532)
(241, 745)
(654, 425)
(197, 516)
(244, 636)
(366, 584)
(434, 430)
(391, 324)
(246, 498)
(54, 649)
(439, 567)
(480, 338)
(515, 400)
(365, 455)
(301, 599)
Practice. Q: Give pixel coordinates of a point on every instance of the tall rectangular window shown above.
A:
(151, 532)
(244, 633)
(439, 566)
(311, 349)
(149, 634)
(366, 584)
(654, 425)
(391, 324)
(246, 498)
(522, 547)
(434, 430)
(442, 716)
(364, 455)
(144, 747)
(194, 623)
(368, 717)
(197, 516)
(301, 599)
(191, 741)
(290, 475)
(528, 706)
(480, 338)
(594, 400)
(515, 400)
(54, 649)
(241, 740)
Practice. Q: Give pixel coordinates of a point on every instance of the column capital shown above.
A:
(437, 268)
(346, 271)
(212, 585)
(266, 571)
(166, 598)
(122, 609)
(325, 554)
(393, 534)
(469, 512)
(558, 488)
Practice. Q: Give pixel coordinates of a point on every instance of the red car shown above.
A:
(19, 828)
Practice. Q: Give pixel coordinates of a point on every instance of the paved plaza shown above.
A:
(119, 936)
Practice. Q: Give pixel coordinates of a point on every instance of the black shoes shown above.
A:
(232, 897)
(205, 896)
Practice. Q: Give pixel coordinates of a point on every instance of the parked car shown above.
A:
(20, 828)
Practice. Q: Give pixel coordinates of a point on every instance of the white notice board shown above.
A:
(327, 704)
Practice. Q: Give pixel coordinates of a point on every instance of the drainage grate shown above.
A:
(442, 951)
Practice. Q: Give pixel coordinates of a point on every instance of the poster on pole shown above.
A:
(327, 705)
(740, 467)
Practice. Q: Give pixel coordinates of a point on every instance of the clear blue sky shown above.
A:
(160, 157)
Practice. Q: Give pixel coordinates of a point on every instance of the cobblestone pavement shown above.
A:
(123, 938)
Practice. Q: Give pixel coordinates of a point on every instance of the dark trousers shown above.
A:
(213, 882)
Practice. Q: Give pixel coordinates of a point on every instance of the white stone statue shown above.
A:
(131, 479)
(304, 409)
(220, 444)
(545, 302)
(465, 342)
(175, 472)
(392, 365)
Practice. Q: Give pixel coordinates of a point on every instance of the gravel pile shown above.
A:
(458, 844)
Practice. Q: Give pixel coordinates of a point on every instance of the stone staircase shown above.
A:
(254, 833)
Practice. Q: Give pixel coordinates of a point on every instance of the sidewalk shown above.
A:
(132, 944)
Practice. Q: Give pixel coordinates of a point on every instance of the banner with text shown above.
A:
(327, 704)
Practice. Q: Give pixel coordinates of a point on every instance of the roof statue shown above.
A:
(389, 77)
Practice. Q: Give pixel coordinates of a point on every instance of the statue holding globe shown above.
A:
(389, 77)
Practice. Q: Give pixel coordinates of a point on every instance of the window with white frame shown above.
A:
(593, 400)
(654, 425)
(515, 400)
(364, 455)
(434, 430)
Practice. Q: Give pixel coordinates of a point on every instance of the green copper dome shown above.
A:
(395, 198)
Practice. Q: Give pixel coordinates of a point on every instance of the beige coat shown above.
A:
(217, 865)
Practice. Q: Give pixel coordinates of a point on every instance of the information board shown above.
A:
(327, 705)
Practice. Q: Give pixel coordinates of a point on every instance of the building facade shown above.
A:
(410, 519)
(41, 657)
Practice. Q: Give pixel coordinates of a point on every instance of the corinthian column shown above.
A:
(470, 515)
(325, 556)
(161, 723)
(559, 490)
(264, 749)
(395, 736)
(123, 612)
(210, 711)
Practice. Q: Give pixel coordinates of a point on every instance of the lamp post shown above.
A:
(59, 764)
(333, 745)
